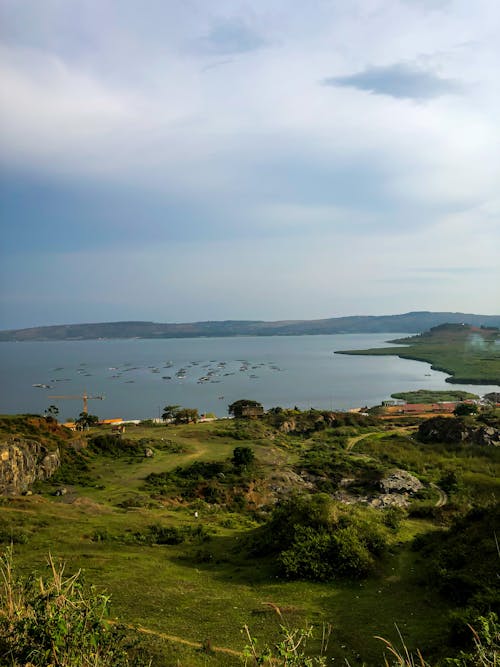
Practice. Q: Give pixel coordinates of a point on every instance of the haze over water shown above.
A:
(286, 371)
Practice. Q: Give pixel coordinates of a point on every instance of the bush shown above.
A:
(462, 563)
(393, 516)
(115, 446)
(242, 457)
(317, 539)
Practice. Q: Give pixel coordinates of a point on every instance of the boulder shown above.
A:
(447, 429)
(400, 481)
(487, 435)
(444, 429)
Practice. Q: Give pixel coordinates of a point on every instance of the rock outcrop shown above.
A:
(23, 462)
(446, 429)
(400, 481)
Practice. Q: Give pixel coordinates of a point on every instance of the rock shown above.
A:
(447, 429)
(487, 435)
(400, 481)
(444, 429)
(287, 427)
(390, 500)
(61, 492)
(23, 462)
(148, 453)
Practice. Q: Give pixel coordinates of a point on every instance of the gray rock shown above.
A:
(23, 462)
(400, 481)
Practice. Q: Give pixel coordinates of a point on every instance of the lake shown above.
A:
(138, 377)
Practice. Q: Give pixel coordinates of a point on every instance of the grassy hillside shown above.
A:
(469, 354)
(176, 538)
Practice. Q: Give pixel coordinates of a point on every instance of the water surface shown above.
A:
(275, 370)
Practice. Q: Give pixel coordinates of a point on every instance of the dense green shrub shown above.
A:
(242, 457)
(463, 562)
(113, 445)
(318, 539)
(156, 533)
(216, 482)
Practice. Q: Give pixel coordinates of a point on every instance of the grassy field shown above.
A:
(428, 396)
(205, 589)
(470, 355)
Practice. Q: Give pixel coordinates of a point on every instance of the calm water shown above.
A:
(208, 374)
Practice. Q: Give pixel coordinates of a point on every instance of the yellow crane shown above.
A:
(85, 397)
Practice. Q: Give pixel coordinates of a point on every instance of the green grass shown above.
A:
(210, 589)
(428, 396)
(468, 354)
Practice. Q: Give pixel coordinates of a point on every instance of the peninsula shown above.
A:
(471, 355)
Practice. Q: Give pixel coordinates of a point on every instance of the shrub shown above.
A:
(243, 457)
(317, 539)
(115, 446)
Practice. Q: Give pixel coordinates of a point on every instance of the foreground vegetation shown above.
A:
(244, 523)
(470, 355)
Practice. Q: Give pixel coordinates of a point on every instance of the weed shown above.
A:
(56, 621)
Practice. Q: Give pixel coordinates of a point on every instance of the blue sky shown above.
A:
(190, 160)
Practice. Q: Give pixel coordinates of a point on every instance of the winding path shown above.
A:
(175, 639)
(380, 434)
(443, 498)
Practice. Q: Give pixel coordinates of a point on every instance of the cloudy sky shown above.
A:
(180, 160)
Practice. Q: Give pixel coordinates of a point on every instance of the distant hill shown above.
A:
(413, 322)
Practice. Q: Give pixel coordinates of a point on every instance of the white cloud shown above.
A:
(261, 151)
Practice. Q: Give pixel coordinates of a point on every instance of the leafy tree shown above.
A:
(52, 410)
(186, 416)
(243, 457)
(51, 413)
(85, 420)
(464, 409)
(238, 408)
(169, 412)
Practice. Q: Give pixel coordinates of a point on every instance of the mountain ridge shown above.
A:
(411, 322)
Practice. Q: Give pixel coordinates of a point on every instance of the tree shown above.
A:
(464, 409)
(245, 408)
(243, 457)
(85, 420)
(169, 412)
(51, 413)
(186, 416)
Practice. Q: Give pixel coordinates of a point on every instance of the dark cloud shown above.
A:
(399, 80)
(232, 36)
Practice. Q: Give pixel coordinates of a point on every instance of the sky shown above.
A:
(186, 160)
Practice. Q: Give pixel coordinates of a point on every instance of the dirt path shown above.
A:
(354, 440)
(179, 640)
(400, 429)
(443, 498)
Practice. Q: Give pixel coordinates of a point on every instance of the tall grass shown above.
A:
(56, 620)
